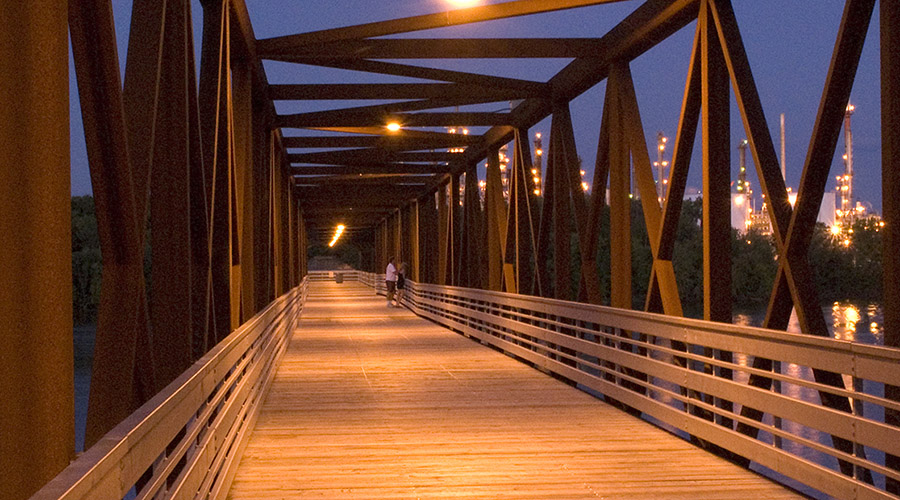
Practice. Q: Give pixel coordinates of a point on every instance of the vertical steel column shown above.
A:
(427, 238)
(443, 235)
(475, 249)
(716, 136)
(201, 283)
(542, 259)
(716, 172)
(215, 106)
(455, 228)
(496, 220)
(399, 247)
(286, 219)
(379, 247)
(261, 212)
(890, 197)
(523, 211)
(569, 157)
(562, 220)
(243, 170)
(304, 264)
(619, 204)
(170, 195)
(122, 370)
(291, 239)
(414, 241)
(36, 418)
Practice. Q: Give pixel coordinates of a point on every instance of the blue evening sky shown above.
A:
(789, 44)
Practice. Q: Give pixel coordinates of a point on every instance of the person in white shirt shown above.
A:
(390, 280)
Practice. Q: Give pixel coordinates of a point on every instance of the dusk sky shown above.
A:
(789, 45)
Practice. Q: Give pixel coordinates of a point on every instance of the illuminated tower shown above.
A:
(741, 199)
(661, 164)
(505, 171)
(537, 165)
(845, 182)
(743, 185)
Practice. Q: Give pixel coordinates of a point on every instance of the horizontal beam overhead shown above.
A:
(364, 156)
(351, 193)
(473, 119)
(427, 21)
(371, 168)
(392, 143)
(367, 180)
(442, 75)
(350, 91)
(438, 48)
(390, 109)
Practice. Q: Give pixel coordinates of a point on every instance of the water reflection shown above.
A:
(853, 322)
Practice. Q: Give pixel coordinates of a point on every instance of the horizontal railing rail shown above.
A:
(691, 377)
(187, 440)
(335, 275)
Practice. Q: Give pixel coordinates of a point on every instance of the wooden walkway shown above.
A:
(376, 403)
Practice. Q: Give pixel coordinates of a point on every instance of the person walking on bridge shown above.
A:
(390, 281)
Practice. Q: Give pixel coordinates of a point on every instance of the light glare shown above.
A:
(337, 234)
(463, 3)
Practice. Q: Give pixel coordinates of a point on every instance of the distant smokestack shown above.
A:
(783, 164)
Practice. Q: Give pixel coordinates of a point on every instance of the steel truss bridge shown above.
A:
(206, 172)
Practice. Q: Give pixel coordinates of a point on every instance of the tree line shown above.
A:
(841, 272)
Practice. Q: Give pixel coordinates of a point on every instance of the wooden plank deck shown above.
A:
(376, 403)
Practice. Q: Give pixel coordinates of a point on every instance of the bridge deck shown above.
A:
(376, 403)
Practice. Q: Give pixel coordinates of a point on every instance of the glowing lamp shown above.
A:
(393, 126)
(463, 3)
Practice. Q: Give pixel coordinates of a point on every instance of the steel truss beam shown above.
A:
(799, 277)
(435, 48)
(367, 156)
(429, 21)
(435, 119)
(388, 143)
(36, 360)
(122, 370)
(371, 168)
(359, 91)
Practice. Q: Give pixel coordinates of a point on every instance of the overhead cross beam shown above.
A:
(371, 168)
(351, 91)
(435, 48)
(365, 156)
(386, 143)
(343, 119)
(429, 21)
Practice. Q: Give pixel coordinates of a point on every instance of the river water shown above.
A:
(849, 321)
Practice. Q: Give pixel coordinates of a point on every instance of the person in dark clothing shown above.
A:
(401, 284)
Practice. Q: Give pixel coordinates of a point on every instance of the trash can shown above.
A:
(338, 278)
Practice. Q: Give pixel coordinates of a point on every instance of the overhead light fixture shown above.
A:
(393, 126)
(464, 3)
(337, 235)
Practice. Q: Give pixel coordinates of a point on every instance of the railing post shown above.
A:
(890, 178)
(36, 423)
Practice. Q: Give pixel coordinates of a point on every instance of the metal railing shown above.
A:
(187, 440)
(691, 377)
(336, 275)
